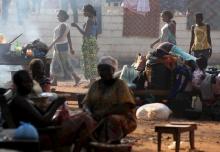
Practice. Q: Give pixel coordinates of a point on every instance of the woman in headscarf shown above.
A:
(111, 104)
(89, 47)
(62, 67)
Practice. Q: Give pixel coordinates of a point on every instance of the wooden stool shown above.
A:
(176, 129)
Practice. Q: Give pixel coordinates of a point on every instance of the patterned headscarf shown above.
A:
(109, 61)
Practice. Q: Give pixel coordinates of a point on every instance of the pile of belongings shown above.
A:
(166, 68)
(38, 48)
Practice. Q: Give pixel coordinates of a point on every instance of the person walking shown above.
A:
(168, 31)
(61, 66)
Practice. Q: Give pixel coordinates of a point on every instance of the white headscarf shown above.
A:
(109, 61)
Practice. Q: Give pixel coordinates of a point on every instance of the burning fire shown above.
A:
(29, 53)
(2, 39)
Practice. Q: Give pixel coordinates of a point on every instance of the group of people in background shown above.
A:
(200, 44)
(61, 67)
(108, 107)
(61, 62)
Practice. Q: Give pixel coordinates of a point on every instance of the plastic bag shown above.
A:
(26, 131)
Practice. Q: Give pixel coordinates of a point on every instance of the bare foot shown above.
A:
(77, 81)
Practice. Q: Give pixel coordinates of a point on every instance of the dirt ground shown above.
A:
(207, 137)
(144, 138)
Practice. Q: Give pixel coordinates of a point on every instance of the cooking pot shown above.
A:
(5, 50)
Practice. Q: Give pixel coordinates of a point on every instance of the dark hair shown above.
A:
(165, 46)
(23, 82)
(89, 8)
(64, 14)
(37, 67)
(20, 77)
(36, 63)
(202, 62)
(168, 13)
(199, 15)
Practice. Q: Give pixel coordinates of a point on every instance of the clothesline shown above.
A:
(137, 6)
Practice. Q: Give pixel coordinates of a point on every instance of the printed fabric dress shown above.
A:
(89, 52)
(113, 127)
(201, 45)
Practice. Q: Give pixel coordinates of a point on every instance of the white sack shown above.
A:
(153, 111)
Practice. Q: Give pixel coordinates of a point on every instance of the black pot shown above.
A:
(4, 51)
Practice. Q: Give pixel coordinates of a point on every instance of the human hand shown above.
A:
(72, 51)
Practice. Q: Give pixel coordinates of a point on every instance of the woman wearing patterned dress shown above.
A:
(89, 47)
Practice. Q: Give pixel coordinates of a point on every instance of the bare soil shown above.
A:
(207, 137)
(144, 138)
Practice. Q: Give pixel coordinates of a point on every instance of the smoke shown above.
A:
(22, 17)
(32, 31)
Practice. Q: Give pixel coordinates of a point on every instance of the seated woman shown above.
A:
(41, 83)
(36, 67)
(110, 104)
(23, 109)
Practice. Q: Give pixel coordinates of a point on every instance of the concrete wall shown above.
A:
(111, 41)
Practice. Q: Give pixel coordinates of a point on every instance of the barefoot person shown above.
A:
(168, 31)
(89, 47)
(201, 43)
(62, 67)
